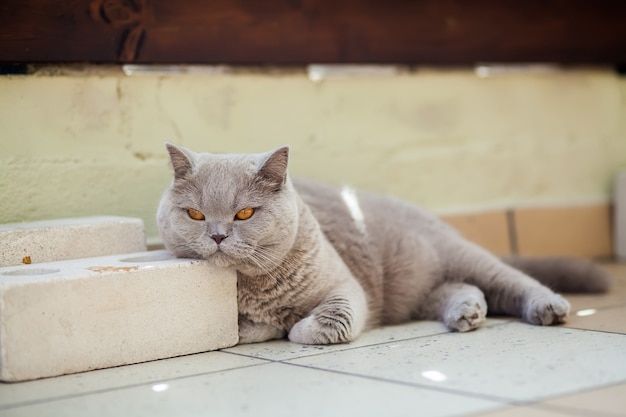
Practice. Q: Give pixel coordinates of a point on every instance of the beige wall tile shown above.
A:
(606, 320)
(611, 401)
(490, 230)
(571, 231)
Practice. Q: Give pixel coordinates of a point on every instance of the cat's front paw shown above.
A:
(309, 331)
(305, 332)
(545, 308)
(467, 315)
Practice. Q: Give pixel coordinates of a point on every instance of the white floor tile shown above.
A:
(274, 389)
(512, 361)
(281, 350)
(122, 376)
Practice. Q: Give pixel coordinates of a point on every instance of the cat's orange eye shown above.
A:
(244, 214)
(195, 214)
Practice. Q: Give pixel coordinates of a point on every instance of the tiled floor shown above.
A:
(505, 369)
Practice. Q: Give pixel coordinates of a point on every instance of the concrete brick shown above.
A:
(72, 316)
(61, 239)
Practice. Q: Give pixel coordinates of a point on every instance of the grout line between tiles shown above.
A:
(123, 387)
(505, 401)
(500, 400)
(566, 325)
(253, 357)
(348, 347)
(595, 331)
(363, 346)
(592, 330)
(512, 231)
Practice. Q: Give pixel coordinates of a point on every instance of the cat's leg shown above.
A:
(506, 289)
(339, 318)
(251, 332)
(459, 306)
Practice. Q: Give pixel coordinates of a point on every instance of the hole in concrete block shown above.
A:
(31, 271)
(161, 256)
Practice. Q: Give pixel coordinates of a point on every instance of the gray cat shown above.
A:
(321, 264)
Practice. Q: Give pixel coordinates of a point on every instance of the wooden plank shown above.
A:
(294, 32)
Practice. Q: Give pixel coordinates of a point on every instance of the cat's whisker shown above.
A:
(268, 262)
(270, 271)
(185, 250)
(282, 265)
(277, 268)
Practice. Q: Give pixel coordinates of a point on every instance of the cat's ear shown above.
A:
(181, 158)
(274, 167)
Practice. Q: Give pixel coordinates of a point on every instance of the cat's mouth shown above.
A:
(226, 256)
(221, 258)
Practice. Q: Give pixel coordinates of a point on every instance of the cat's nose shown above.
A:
(218, 238)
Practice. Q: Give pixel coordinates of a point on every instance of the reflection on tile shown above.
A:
(606, 320)
(511, 361)
(120, 377)
(274, 389)
(610, 400)
(283, 350)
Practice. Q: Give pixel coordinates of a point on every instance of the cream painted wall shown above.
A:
(86, 144)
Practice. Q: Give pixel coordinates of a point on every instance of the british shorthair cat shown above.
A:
(321, 264)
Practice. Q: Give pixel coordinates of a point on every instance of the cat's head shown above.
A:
(232, 210)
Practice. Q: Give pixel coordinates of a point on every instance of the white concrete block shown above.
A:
(61, 239)
(72, 316)
(619, 213)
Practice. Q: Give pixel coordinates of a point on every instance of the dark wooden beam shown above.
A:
(295, 32)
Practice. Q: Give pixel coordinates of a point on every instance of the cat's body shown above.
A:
(321, 264)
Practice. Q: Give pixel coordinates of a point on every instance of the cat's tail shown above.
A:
(564, 274)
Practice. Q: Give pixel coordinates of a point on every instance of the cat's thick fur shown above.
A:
(321, 264)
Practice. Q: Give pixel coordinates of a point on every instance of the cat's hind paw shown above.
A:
(546, 309)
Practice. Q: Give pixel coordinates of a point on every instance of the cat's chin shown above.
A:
(224, 261)
(221, 259)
